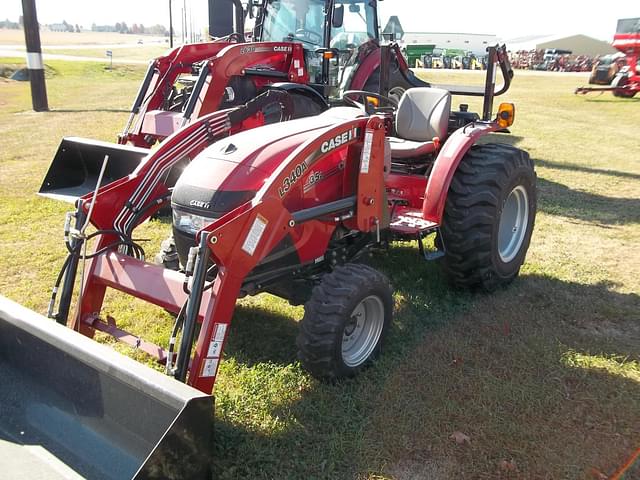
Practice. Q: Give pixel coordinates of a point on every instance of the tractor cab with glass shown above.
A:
(337, 36)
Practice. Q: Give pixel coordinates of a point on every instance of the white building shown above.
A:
(474, 42)
(577, 44)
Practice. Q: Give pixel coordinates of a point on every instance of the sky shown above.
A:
(505, 19)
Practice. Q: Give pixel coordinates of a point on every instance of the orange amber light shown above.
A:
(506, 114)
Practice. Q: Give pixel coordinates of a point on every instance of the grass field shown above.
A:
(542, 377)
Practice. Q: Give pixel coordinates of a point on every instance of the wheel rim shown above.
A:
(514, 221)
(362, 331)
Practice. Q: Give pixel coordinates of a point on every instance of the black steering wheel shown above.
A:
(232, 37)
(238, 37)
(360, 99)
(308, 36)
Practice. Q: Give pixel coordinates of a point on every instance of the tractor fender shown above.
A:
(445, 166)
(302, 89)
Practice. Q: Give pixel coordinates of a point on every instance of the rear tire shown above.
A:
(345, 322)
(489, 217)
(620, 81)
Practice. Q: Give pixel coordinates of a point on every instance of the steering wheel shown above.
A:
(235, 36)
(238, 37)
(308, 36)
(351, 97)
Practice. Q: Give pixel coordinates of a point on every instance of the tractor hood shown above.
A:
(230, 172)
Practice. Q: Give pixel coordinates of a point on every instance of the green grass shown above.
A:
(544, 374)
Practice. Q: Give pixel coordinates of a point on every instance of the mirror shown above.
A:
(354, 8)
(338, 16)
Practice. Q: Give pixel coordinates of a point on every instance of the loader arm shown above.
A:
(160, 77)
(262, 63)
(121, 205)
(266, 63)
(236, 242)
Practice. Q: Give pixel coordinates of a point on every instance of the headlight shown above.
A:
(190, 223)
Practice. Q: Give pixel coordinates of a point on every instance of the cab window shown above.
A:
(295, 20)
(358, 27)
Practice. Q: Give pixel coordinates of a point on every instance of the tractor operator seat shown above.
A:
(422, 114)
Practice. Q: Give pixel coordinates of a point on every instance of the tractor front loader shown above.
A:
(292, 209)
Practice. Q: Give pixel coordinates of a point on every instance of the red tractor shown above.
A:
(288, 208)
(315, 49)
(626, 82)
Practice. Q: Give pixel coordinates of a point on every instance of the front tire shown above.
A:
(489, 217)
(345, 322)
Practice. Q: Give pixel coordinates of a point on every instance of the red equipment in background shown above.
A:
(626, 83)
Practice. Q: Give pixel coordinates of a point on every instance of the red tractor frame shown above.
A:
(293, 207)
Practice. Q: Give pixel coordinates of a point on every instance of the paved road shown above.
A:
(19, 51)
(74, 58)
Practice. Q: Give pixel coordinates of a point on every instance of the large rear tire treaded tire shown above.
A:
(483, 182)
(327, 319)
(620, 81)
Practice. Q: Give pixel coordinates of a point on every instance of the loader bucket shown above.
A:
(72, 408)
(75, 168)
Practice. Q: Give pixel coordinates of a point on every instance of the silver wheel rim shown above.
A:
(514, 221)
(362, 331)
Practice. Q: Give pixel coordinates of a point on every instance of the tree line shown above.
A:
(119, 27)
(138, 29)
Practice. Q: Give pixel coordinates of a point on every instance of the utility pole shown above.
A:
(184, 11)
(170, 25)
(182, 22)
(34, 56)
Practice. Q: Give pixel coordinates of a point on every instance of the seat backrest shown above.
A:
(423, 113)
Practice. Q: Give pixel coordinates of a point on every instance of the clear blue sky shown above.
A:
(505, 19)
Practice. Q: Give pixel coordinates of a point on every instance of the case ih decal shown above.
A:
(339, 140)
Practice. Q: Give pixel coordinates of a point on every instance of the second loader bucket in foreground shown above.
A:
(71, 408)
(75, 168)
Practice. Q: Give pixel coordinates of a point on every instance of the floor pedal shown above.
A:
(431, 256)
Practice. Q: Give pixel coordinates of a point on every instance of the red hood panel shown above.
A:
(241, 162)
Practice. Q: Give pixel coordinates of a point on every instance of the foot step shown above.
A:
(431, 256)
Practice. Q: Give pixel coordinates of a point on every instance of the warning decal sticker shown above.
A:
(210, 367)
(255, 234)
(366, 152)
